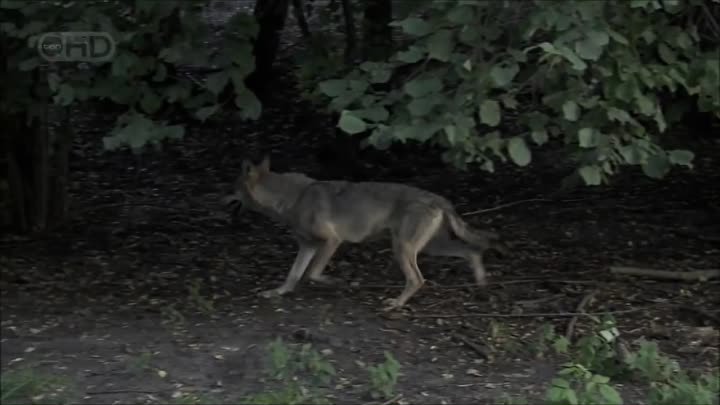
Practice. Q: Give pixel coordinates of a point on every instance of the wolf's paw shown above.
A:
(275, 292)
(326, 280)
(391, 304)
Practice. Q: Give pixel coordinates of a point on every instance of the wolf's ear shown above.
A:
(264, 166)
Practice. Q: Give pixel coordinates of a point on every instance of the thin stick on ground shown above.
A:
(388, 402)
(477, 348)
(697, 275)
(514, 203)
(580, 309)
(537, 315)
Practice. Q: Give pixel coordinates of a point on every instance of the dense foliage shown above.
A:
(490, 78)
(484, 80)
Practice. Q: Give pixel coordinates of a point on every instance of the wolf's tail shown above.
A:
(475, 237)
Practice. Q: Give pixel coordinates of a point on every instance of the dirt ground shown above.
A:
(151, 263)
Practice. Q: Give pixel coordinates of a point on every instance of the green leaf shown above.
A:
(333, 88)
(122, 63)
(65, 95)
(571, 397)
(587, 137)
(571, 110)
(249, 105)
(160, 73)
(681, 157)
(351, 124)
(610, 395)
(666, 54)
(509, 101)
(490, 113)
(572, 57)
(414, 26)
(519, 151)
(660, 120)
(412, 55)
(150, 101)
(177, 92)
(631, 154)
(461, 15)
(645, 104)
(539, 136)
(619, 38)
(54, 81)
(205, 112)
(440, 45)
(375, 113)
(599, 38)
(421, 87)
(639, 3)
(560, 383)
(216, 82)
(421, 106)
(600, 379)
(503, 74)
(561, 345)
(616, 114)
(683, 40)
(588, 49)
(656, 166)
(451, 133)
(592, 175)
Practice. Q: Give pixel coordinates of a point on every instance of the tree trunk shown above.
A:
(350, 35)
(377, 34)
(299, 13)
(271, 16)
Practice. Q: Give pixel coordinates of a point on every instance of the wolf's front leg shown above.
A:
(326, 251)
(302, 260)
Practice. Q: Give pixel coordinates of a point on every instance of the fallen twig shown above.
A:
(702, 313)
(111, 392)
(697, 275)
(388, 402)
(537, 315)
(432, 284)
(580, 309)
(479, 349)
(393, 399)
(529, 303)
(514, 203)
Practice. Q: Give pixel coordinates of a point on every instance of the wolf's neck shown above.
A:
(290, 187)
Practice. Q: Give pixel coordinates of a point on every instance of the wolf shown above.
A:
(324, 214)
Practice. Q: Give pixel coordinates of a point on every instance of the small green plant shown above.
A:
(300, 371)
(172, 316)
(596, 350)
(383, 377)
(576, 384)
(506, 399)
(290, 395)
(203, 304)
(140, 363)
(683, 390)
(286, 362)
(650, 364)
(546, 338)
(30, 387)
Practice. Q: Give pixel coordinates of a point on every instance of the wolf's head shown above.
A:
(260, 189)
